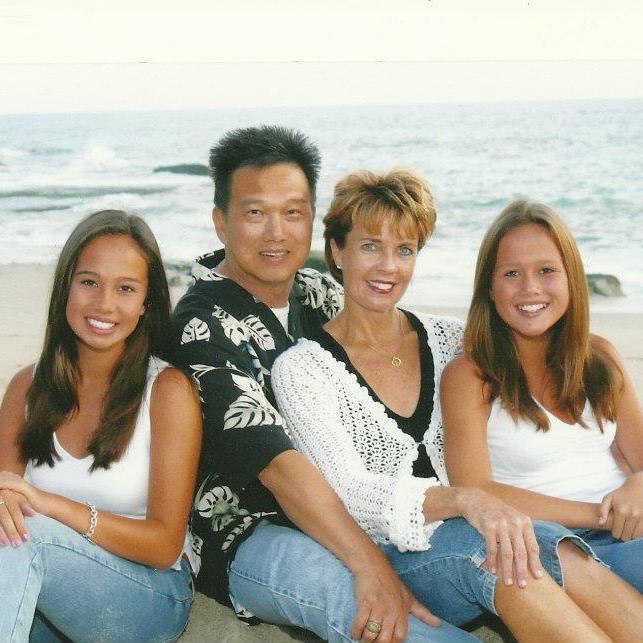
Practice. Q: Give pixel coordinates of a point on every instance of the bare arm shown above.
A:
(622, 509)
(465, 414)
(12, 419)
(157, 540)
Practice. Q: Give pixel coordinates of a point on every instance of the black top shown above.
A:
(416, 424)
(227, 341)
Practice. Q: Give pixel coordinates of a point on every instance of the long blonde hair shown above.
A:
(581, 372)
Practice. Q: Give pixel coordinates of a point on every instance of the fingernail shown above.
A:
(493, 571)
(539, 574)
(16, 543)
(25, 537)
(509, 581)
(522, 582)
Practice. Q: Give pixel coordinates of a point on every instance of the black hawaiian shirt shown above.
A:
(228, 340)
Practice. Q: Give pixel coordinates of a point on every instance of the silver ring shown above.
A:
(374, 626)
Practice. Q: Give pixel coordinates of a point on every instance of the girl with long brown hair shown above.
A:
(536, 406)
(99, 443)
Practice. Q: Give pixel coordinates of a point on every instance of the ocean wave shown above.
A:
(43, 208)
(49, 151)
(66, 192)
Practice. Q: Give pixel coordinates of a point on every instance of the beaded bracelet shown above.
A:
(93, 522)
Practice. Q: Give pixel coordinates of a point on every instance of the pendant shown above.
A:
(396, 361)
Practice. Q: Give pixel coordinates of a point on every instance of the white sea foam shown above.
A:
(583, 158)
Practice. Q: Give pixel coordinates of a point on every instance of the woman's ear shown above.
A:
(337, 253)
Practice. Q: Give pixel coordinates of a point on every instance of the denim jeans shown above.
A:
(623, 558)
(85, 593)
(282, 576)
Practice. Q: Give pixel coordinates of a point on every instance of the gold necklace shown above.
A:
(396, 360)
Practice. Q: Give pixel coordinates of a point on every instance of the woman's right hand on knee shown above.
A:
(512, 549)
(13, 508)
(383, 606)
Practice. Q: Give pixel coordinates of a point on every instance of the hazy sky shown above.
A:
(67, 55)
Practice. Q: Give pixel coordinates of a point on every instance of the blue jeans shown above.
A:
(448, 577)
(85, 593)
(284, 577)
(623, 558)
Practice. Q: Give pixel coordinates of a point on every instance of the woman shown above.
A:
(361, 402)
(533, 407)
(99, 443)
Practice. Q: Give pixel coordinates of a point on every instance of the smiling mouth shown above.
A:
(274, 254)
(100, 325)
(531, 308)
(381, 286)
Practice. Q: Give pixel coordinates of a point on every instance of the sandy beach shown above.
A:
(25, 292)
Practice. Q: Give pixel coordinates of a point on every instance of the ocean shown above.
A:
(583, 158)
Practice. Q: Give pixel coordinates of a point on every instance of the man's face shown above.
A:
(267, 229)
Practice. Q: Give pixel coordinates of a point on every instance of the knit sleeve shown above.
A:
(313, 402)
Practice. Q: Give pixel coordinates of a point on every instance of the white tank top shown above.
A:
(123, 488)
(568, 461)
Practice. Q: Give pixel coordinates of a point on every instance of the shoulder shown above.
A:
(304, 353)
(319, 291)
(19, 385)
(443, 324)
(173, 388)
(15, 397)
(444, 334)
(462, 369)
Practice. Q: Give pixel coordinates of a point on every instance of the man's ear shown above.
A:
(218, 218)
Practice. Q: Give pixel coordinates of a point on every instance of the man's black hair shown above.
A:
(260, 147)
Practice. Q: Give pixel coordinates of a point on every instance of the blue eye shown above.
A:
(406, 251)
(547, 270)
(368, 247)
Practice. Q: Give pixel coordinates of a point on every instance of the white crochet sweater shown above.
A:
(359, 449)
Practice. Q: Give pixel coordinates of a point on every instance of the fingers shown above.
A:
(604, 509)
(505, 558)
(425, 615)
(492, 552)
(359, 622)
(520, 559)
(618, 523)
(533, 553)
(10, 535)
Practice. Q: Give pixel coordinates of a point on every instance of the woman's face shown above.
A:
(529, 284)
(376, 266)
(108, 292)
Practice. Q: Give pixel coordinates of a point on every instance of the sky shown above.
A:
(139, 54)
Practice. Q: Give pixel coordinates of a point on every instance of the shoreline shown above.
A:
(26, 287)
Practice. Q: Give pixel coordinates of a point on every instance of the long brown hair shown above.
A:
(52, 396)
(581, 372)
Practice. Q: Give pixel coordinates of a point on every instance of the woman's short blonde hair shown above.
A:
(368, 197)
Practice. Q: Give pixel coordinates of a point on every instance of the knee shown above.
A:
(575, 562)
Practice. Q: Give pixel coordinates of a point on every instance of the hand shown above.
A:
(382, 597)
(506, 531)
(626, 507)
(14, 506)
(37, 499)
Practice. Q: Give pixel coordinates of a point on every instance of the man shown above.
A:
(255, 493)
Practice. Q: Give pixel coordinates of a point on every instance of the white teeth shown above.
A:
(274, 254)
(380, 285)
(96, 323)
(532, 308)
